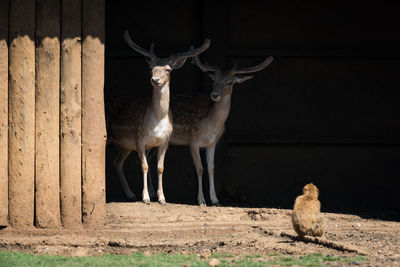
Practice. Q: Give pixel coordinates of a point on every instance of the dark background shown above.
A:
(325, 111)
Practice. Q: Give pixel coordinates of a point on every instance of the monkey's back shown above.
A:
(306, 216)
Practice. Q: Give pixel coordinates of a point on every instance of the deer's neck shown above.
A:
(219, 111)
(160, 101)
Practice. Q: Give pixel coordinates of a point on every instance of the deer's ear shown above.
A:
(242, 79)
(178, 63)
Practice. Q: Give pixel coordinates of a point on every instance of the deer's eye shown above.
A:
(229, 83)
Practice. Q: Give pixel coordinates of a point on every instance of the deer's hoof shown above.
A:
(146, 201)
(216, 204)
(162, 202)
(202, 204)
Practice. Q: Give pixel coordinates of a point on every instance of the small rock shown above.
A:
(379, 251)
(147, 253)
(80, 252)
(214, 262)
(205, 255)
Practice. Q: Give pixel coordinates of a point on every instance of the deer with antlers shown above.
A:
(147, 123)
(198, 124)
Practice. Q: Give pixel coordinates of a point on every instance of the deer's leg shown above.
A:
(119, 167)
(160, 169)
(210, 151)
(195, 151)
(150, 154)
(145, 167)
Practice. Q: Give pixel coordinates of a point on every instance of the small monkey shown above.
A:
(306, 216)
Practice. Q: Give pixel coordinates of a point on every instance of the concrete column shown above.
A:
(93, 118)
(4, 8)
(47, 114)
(70, 114)
(21, 154)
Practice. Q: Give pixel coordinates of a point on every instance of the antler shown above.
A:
(194, 52)
(200, 65)
(137, 48)
(254, 68)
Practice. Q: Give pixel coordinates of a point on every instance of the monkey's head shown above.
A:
(310, 190)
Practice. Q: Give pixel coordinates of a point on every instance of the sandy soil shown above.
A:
(176, 228)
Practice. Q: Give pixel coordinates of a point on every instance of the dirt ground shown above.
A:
(177, 228)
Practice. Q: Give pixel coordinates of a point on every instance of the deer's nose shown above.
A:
(215, 96)
(155, 80)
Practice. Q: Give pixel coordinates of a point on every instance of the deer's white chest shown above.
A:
(159, 133)
(162, 128)
(210, 136)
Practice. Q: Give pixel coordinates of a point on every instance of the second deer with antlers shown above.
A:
(147, 123)
(198, 124)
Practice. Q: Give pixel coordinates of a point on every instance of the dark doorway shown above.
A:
(327, 110)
